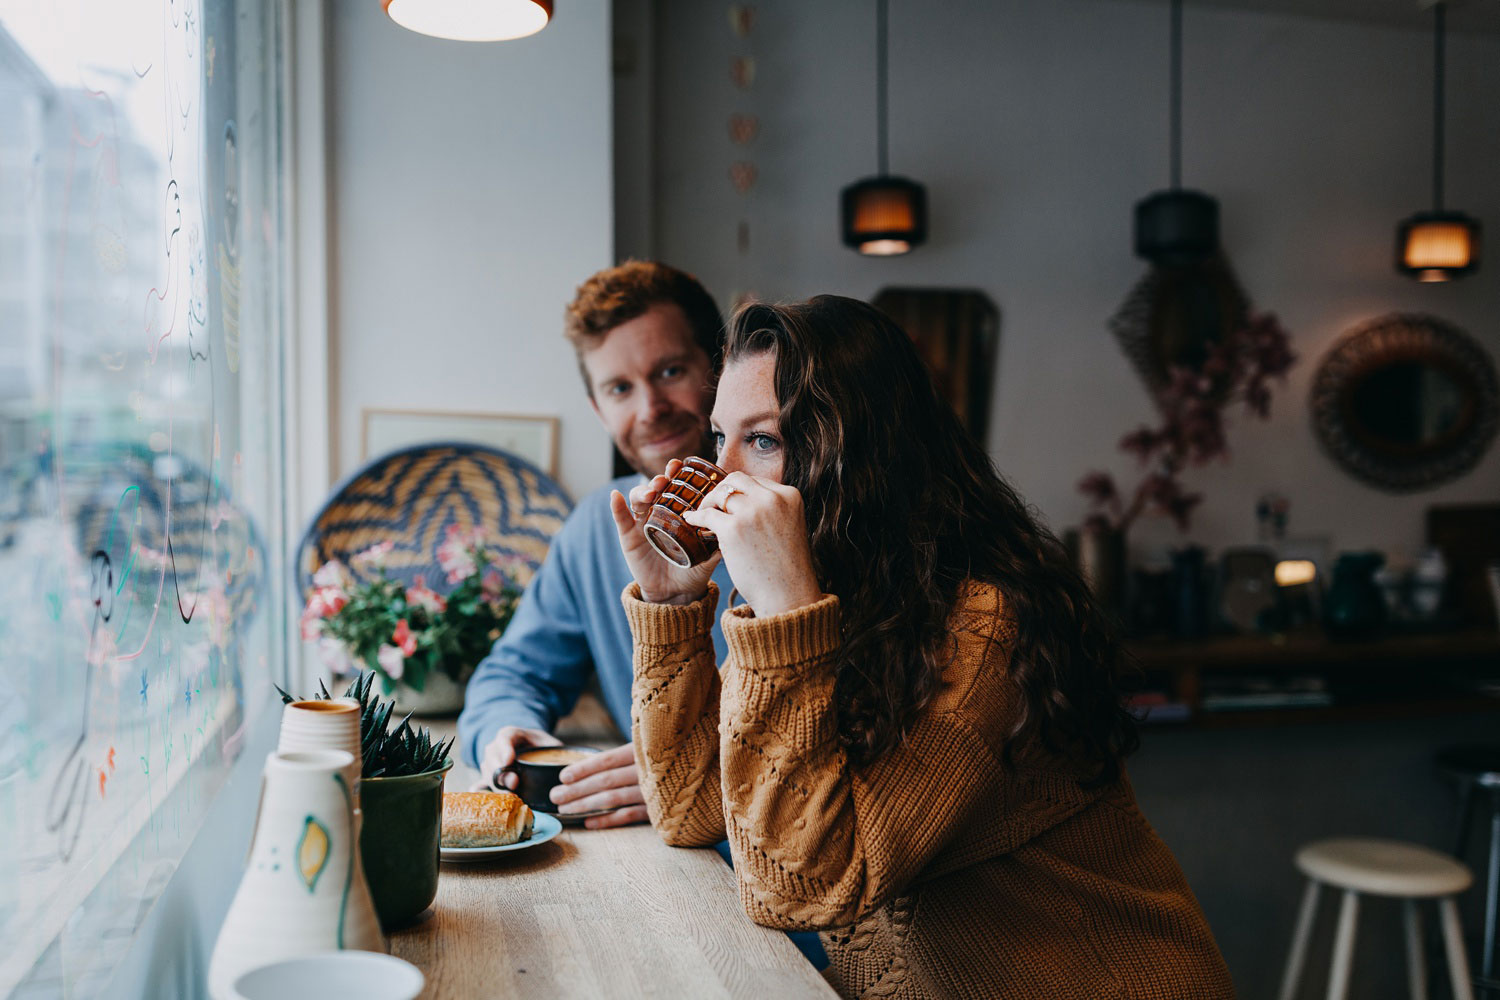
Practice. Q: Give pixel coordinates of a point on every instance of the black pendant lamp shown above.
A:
(883, 215)
(1175, 228)
(1437, 245)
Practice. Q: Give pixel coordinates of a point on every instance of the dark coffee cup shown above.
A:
(673, 538)
(537, 771)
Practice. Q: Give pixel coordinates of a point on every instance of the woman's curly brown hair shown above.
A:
(902, 507)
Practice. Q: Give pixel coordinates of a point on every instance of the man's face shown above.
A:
(651, 389)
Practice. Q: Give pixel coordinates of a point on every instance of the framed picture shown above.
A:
(533, 438)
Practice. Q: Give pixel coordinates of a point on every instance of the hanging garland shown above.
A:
(743, 129)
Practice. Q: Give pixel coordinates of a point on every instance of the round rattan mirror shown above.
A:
(1406, 402)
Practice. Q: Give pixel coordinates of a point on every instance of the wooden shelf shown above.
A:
(1369, 712)
(1254, 652)
(1404, 676)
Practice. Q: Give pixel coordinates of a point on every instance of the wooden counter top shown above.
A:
(598, 913)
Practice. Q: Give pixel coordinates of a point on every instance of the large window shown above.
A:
(142, 591)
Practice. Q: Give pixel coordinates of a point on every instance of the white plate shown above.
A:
(543, 829)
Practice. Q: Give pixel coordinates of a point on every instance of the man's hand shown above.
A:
(606, 780)
(501, 753)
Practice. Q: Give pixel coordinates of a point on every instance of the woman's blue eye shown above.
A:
(718, 441)
(763, 442)
(672, 371)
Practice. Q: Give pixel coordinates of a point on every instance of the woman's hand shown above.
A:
(662, 582)
(762, 532)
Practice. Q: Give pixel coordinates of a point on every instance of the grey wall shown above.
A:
(1234, 806)
(634, 61)
(1036, 126)
(470, 187)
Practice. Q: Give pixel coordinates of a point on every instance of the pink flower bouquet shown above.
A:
(404, 633)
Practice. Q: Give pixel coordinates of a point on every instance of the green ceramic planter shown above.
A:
(400, 842)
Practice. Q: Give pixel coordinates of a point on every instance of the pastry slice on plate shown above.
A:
(485, 819)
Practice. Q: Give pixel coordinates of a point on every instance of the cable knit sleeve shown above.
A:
(815, 845)
(674, 717)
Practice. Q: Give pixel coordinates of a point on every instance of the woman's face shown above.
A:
(744, 419)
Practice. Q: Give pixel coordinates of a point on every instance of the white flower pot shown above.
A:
(440, 695)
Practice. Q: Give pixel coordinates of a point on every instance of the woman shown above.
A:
(915, 746)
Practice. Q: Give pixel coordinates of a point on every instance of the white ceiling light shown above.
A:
(471, 20)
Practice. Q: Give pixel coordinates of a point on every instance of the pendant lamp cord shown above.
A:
(1437, 110)
(880, 70)
(1176, 91)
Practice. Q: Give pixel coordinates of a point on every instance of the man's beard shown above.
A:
(703, 446)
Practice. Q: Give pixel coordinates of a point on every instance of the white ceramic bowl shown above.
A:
(332, 975)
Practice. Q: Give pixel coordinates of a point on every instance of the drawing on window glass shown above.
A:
(141, 526)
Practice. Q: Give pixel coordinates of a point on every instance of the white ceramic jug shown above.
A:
(303, 890)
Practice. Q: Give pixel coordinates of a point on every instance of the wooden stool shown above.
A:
(1408, 872)
(1476, 771)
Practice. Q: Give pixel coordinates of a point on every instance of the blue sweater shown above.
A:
(569, 623)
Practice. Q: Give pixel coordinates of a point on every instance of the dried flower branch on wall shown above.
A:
(1192, 430)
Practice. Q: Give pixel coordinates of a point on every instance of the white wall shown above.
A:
(471, 194)
(634, 121)
(1036, 126)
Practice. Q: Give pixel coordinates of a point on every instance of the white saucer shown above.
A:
(576, 819)
(543, 829)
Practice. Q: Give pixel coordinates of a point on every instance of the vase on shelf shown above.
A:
(1098, 552)
(1355, 607)
(1151, 602)
(441, 695)
(1190, 592)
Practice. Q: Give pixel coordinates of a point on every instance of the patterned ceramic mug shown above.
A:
(677, 541)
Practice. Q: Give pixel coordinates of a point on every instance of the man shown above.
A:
(647, 338)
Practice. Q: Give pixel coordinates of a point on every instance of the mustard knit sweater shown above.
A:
(933, 872)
